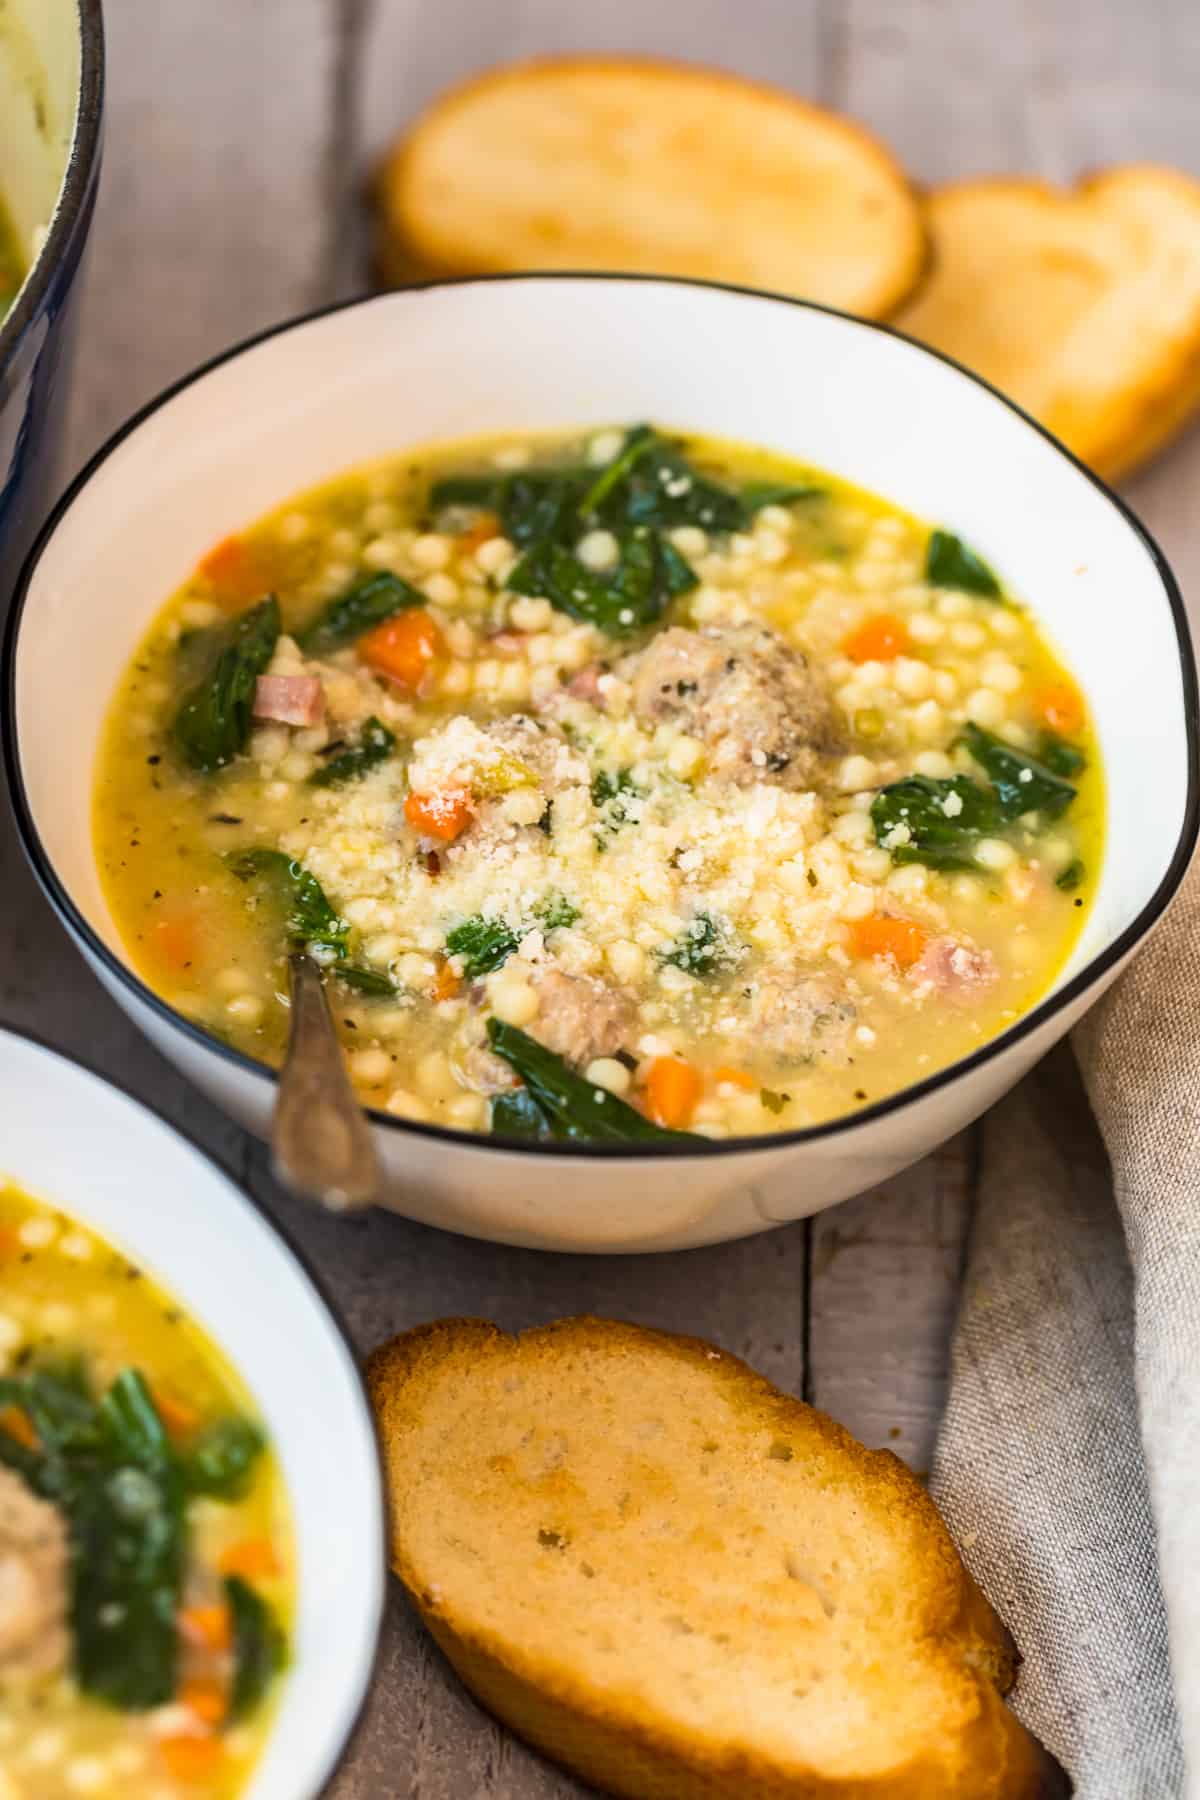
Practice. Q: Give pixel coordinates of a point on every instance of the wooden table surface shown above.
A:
(240, 133)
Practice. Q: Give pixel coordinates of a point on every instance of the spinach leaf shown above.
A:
(117, 1479)
(1022, 783)
(658, 486)
(467, 490)
(309, 917)
(536, 508)
(60, 1405)
(757, 494)
(650, 573)
(259, 1647)
(615, 795)
(1060, 757)
(555, 911)
(922, 819)
(375, 746)
(357, 612)
(131, 1422)
(773, 1102)
(213, 723)
(516, 1114)
(128, 1550)
(675, 573)
(14, 1455)
(1071, 877)
(638, 441)
(701, 948)
(483, 944)
(575, 1110)
(950, 564)
(371, 982)
(220, 1461)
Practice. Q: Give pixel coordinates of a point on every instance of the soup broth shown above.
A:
(624, 784)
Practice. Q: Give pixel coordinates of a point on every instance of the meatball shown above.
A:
(484, 1071)
(580, 1018)
(802, 1017)
(753, 699)
(33, 1582)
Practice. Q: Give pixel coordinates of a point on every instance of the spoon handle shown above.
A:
(320, 1140)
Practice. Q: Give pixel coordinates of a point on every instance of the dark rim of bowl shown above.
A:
(290, 1248)
(76, 183)
(481, 1142)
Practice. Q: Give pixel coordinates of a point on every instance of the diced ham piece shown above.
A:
(957, 970)
(289, 699)
(586, 685)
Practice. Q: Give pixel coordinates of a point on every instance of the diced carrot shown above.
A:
(1060, 706)
(734, 1078)
(206, 1698)
(486, 526)
(189, 1758)
(878, 935)
(208, 1627)
(672, 1090)
(251, 1558)
(444, 815)
(878, 639)
(9, 1240)
(175, 941)
(237, 572)
(446, 984)
(17, 1423)
(178, 1417)
(403, 647)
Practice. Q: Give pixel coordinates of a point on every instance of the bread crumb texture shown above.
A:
(680, 1582)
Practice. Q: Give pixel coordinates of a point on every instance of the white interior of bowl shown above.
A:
(538, 354)
(129, 1177)
(39, 96)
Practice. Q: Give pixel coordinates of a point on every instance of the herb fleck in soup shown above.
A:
(624, 785)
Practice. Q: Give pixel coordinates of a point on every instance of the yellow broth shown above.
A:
(12, 261)
(69, 1298)
(711, 932)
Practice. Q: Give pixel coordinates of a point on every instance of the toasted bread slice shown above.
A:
(629, 164)
(682, 1583)
(1083, 305)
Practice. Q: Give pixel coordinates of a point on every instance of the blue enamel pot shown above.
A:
(51, 106)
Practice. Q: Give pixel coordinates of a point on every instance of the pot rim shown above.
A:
(71, 209)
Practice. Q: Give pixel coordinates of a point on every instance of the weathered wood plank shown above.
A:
(413, 48)
(886, 1270)
(212, 220)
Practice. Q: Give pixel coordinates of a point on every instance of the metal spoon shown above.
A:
(320, 1140)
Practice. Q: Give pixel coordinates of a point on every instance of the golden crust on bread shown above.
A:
(684, 1584)
(1081, 304)
(634, 164)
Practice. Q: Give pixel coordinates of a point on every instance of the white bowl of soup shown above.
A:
(190, 1516)
(687, 726)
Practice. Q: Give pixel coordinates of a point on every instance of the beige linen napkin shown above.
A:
(1069, 1459)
